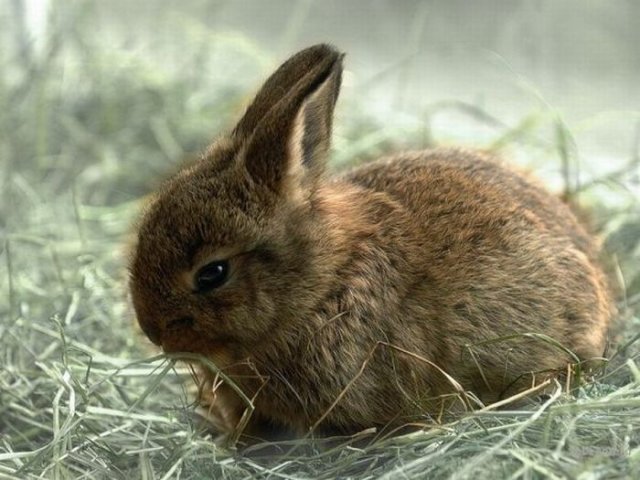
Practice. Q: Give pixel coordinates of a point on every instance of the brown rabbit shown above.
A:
(369, 299)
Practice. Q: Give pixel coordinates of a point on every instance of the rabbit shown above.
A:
(416, 284)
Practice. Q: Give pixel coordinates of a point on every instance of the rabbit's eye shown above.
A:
(211, 276)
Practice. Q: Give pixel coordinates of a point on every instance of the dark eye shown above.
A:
(211, 276)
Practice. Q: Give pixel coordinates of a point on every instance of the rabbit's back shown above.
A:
(447, 185)
(500, 257)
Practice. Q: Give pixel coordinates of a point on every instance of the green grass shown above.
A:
(86, 131)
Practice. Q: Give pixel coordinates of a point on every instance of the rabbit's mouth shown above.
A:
(197, 342)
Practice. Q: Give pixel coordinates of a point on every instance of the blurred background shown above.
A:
(144, 82)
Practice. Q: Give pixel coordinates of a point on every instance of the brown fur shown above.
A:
(439, 254)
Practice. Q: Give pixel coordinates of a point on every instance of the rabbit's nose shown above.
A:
(152, 332)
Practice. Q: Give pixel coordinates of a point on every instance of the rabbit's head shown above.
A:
(229, 247)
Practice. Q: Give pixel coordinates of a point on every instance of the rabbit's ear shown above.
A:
(280, 83)
(291, 140)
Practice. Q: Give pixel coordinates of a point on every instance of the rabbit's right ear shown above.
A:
(281, 82)
(286, 132)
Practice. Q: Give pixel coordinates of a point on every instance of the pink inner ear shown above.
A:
(315, 131)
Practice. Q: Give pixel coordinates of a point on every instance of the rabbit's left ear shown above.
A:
(289, 146)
